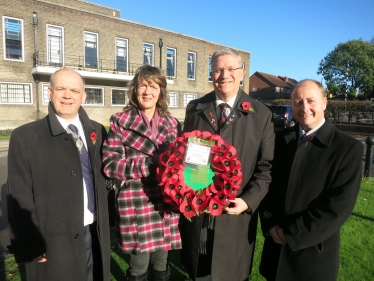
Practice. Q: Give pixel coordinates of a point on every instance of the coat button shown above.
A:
(73, 173)
(267, 215)
(76, 236)
(66, 139)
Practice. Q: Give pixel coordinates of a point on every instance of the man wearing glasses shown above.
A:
(221, 248)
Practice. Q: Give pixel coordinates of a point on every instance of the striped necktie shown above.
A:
(223, 117)
(86, 168)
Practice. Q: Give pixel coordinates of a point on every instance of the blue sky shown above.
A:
(284, 37)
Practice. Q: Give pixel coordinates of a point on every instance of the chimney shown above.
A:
(286, 79)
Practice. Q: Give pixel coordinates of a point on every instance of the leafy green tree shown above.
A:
(350, 66)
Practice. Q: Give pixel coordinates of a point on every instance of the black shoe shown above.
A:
(160, 275)
(130, 277)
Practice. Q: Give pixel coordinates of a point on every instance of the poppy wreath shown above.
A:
(214, 197)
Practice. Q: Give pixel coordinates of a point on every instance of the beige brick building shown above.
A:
(40, 36)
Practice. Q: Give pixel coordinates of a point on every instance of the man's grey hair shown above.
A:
(51, 85)
(226, 51)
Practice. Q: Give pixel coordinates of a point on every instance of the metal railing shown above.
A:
(80, 62)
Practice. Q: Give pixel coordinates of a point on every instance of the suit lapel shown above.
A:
(88, 130)
(209, 110)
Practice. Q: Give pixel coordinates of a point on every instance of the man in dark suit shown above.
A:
(247, 126)
(57, 199)
(316, 178)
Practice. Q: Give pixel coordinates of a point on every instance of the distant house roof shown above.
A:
(289, 81)
(276, 81)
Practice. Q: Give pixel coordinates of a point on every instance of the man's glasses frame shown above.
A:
(220, 70)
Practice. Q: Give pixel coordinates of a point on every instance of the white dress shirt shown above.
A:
(88, 216)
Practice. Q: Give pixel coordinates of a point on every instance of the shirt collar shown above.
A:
(230, 102)
(75, 122)
(302, 132)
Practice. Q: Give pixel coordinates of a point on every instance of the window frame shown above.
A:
(175, 62)
(195, 96)
(194, 65)
(126, 98)
(94, 104)
(210, 79)
(127, 53)
(62, 43)
(153, 53)
(18, 103)
(176, 99)
(97, 49)
(242, 81)
(22, 38)
(43, 95)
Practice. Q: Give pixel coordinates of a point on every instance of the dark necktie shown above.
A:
(223, 117)
(303, 138)
(86, 168)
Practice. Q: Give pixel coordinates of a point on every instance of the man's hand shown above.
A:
(41, 258)
(239, 207)
(277, 234)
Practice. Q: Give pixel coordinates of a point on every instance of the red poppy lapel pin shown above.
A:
(93, 137)
(247, 106)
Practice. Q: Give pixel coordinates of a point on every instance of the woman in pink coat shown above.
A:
(147, 227)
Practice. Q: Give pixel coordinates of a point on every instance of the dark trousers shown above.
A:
(93, 253)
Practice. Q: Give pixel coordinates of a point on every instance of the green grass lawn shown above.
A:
(356, 259)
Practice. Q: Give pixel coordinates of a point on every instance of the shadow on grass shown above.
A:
(363, 217)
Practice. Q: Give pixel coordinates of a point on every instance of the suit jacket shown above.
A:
(45, 199)
(252, 134)
(312, 194)
(145, 223)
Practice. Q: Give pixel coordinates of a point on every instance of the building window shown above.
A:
(242, 82)
(209, 69)
(174, 100)
(121, 54)
(55, 48)
(277, 89)
(13, 39)
(188, 97)
(95, 96)
(90, 50)
(148, 53)
(45, 97)
(254, 89)
(119, 97)
(171, 59)
(191, 62)
(15, 93)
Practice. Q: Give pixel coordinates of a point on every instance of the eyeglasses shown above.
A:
(220, 70)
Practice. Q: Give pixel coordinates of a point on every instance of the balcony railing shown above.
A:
(80, 62)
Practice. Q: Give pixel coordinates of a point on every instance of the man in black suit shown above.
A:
(247, 127)
(316, 178)
(57, 199)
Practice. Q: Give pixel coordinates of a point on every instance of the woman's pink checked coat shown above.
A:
(144, 221)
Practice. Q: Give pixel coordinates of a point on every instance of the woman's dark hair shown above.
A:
(150, 74)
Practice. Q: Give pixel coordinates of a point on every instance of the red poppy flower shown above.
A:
(215, 208)
(187, 210)
(246, 105)
(199, 202)
(93, 137)
(171, 184)
(222, 198)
